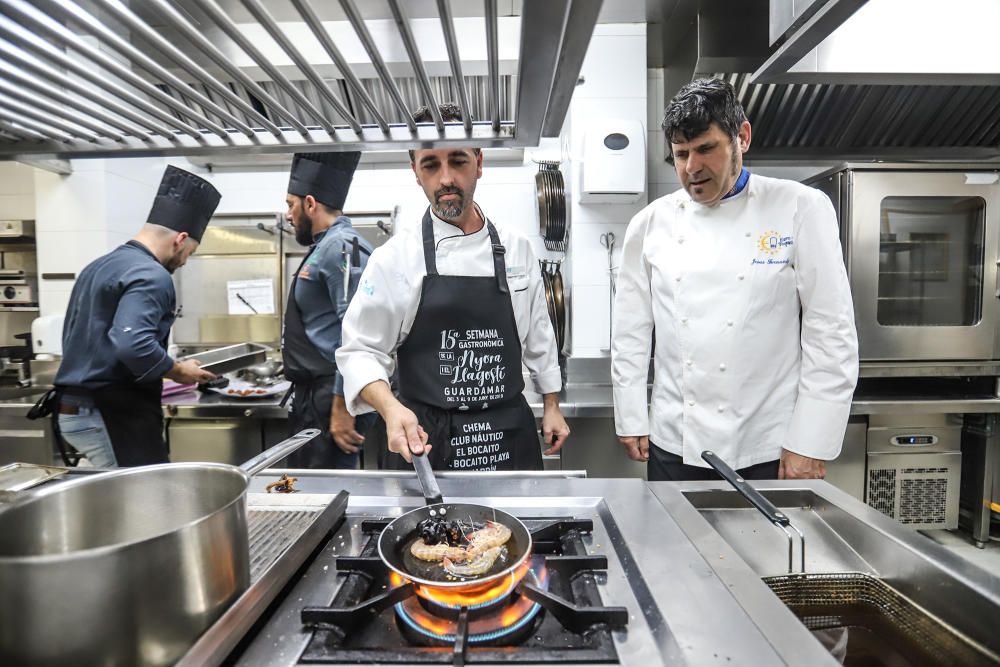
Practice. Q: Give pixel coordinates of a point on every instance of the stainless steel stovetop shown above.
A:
(680, 611)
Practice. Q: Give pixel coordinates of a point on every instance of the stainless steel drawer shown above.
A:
(216, 440)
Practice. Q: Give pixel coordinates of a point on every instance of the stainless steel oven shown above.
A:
(921, 249)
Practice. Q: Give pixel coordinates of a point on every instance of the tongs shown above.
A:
(765, 506)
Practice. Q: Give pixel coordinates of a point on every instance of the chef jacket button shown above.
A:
(684, 320)
(729, 323)
(722, 367)
(677, 278)
(747, 234)
(691, 403)
(689, 362)
(720, 409)
(680, 239)
(739, 276)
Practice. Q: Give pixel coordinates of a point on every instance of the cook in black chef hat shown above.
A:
(318, 178)
(183, 203)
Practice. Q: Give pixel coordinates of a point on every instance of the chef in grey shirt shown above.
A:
(115, 334)
(321, 289)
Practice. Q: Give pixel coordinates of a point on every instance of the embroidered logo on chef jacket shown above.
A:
(770, 244)
(515, 271)
(306, 271)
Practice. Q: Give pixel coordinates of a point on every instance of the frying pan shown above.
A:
(395, 540)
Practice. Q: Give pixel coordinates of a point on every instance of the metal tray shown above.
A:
(232, 357)
(21, 476)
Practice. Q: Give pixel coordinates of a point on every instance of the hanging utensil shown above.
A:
(608, 241)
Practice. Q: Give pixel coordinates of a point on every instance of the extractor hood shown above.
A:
(847, 79)
(89, 78)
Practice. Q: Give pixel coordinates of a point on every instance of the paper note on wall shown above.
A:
(251, 297)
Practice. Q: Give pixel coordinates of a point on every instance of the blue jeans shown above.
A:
(86, 432)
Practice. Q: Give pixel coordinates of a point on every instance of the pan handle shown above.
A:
(428, 482)
(755, 497)
(279, 451)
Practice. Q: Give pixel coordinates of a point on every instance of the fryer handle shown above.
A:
(428, 482)
(755, 497)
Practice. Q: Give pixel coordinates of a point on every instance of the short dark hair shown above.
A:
(699, 104)
(450, 113)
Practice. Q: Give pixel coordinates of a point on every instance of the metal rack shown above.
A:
(199, 77)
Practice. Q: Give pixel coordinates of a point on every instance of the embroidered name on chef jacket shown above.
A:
(769, 245)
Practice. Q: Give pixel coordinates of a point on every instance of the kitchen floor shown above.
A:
(961, 543)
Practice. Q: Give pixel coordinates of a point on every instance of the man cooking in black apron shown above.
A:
(116, 328)
(318, 298)
(460, 301)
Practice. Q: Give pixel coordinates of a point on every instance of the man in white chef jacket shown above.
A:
(742, 278)
(454, 305)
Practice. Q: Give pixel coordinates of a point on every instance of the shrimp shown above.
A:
(493, 535)
(424, 551)
(480, 563)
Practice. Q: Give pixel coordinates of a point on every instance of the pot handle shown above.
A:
(756, 498)
(279, 451)
(428, 482)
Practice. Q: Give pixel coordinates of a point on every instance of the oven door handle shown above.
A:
(997, 292)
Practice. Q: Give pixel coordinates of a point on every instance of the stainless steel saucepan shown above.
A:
(127, 567)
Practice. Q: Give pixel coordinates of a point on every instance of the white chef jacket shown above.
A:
(724, 287)
(382, 312)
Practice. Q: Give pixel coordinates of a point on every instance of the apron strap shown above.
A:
(427, 231)
(430, 258)
(499, 265)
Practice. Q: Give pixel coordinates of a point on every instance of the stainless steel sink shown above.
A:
(841, 535)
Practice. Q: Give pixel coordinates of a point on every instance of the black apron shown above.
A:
(303, 362)
(312, 377)
(460, 370)
(133, 417)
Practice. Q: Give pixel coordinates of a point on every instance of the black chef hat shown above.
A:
(184, 202)
(325, 176)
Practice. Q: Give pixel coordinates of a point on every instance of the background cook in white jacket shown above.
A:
(722, 273)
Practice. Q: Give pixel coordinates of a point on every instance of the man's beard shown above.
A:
(303, 231)
(449, 210)
(174, 262)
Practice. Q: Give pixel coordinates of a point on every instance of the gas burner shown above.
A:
(549, 611)
(505, 619)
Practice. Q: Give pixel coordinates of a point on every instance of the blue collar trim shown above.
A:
(741, 183)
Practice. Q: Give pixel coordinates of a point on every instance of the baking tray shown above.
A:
(232, 357)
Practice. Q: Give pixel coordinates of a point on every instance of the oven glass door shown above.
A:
(923, 265)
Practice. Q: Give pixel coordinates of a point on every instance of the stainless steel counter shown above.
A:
(576, 400)
(681, 612)
(597, 401)
(195, 404)
(842, 534)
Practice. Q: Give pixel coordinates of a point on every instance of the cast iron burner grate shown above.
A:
(571, 625)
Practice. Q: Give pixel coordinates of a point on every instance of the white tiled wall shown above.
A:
(82, 216)
(17, 191)
(614, 86)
